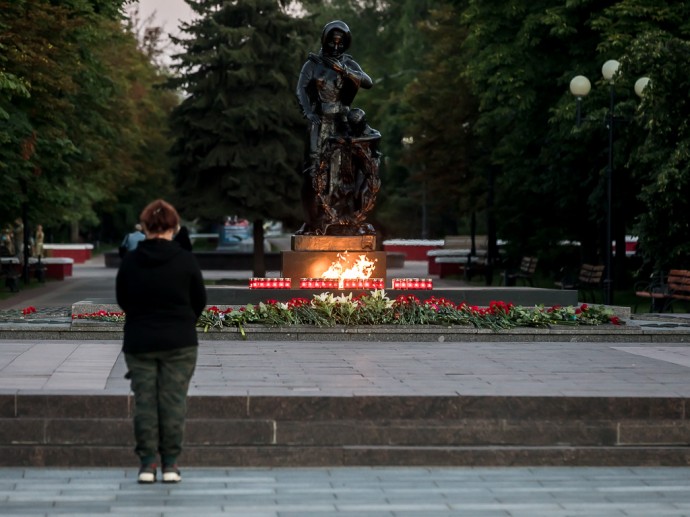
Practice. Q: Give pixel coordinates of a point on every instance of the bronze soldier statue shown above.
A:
(341, 167)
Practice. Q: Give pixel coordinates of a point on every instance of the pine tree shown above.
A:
(239, 134)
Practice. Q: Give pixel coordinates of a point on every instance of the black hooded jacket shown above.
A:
(160, 287)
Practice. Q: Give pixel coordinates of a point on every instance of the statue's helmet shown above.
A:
(332, 27)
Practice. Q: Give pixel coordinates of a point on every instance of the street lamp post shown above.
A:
(407, 142)
(580, 87)
(425, 226)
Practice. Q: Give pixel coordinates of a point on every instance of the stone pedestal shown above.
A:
(333, 243)
(312, 255)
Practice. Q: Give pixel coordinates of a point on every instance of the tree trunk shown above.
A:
(74, 232)
(259, 258)
(492, 251)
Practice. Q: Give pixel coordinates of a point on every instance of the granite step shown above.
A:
(96, 430)
(345, 456)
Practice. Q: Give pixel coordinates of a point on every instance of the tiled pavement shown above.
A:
(291, 368)
(423, 492)
(588, 369)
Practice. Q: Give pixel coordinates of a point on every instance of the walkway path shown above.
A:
(329, 368)
(361, 492)
(361, 368)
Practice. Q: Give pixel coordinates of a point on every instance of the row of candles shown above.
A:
(346, 283)
(270, 283)
(413, 283)
(334, 283)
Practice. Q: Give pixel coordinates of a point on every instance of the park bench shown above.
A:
(79, 253)
(528, 265)
(55, 268)
(663, 291)
(589, 280)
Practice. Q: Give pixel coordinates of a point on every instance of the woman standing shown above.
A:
(39, 240)
(160, 288)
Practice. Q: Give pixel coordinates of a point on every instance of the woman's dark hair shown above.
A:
(159, 216)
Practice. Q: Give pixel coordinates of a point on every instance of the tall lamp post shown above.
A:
(580, 87)
(407, 142)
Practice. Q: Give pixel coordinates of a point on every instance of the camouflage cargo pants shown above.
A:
(160, 381)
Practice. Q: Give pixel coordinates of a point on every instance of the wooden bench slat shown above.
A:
(589, 280)
(664, 291)
(528, 266)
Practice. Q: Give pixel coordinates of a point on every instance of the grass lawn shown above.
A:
(5, 293)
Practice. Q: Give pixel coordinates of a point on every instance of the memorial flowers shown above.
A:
(111, 317)
(376, 308)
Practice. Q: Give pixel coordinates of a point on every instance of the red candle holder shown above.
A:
(270, 283)
(334, 283)
(413, 284)
(311, 283)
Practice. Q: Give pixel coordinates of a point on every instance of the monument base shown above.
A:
(333, 243)
(312, 255)
(313, 264)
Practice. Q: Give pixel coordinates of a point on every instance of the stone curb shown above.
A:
(95, 330)
(658, 329)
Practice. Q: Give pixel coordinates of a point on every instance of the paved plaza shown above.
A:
(331, 368)
(410, 491)
(338, 369)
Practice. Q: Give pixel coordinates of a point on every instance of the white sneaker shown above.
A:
(147, 474)
(171, 474)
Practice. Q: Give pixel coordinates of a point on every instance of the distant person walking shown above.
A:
(19, 239)
(6, 242)
(38, 241)
(161, 290)
(132, 240)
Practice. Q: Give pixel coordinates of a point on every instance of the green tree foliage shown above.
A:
(139, 163)
(518, 57)
(37, 42)
(74, 93)
(239, 133)
(662, 162)
(442, 111)
(521, 55)
(653, 40)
